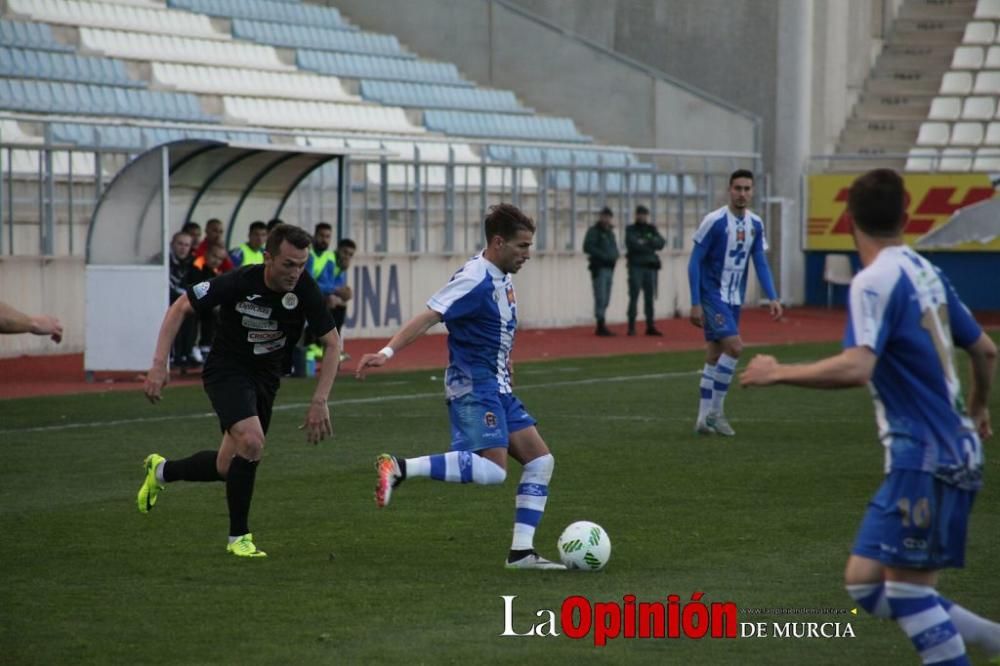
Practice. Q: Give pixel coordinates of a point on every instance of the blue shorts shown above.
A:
(485, 421)
(721, 319)
(915, 521)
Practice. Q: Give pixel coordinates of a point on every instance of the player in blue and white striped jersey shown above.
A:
(905, 320)
(488, 422)
(717, 275)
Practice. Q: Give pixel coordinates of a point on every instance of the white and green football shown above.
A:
(584, 545)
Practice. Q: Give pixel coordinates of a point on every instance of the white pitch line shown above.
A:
(349, 401)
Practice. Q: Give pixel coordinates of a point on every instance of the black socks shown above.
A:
(197, 467)
(239, 492)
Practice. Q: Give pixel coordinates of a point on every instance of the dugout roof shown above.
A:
(158, 191)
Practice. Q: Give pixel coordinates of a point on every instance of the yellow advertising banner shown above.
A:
(931, 200)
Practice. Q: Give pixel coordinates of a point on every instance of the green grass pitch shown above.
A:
(764, 520)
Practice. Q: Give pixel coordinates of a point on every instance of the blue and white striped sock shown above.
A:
(706, 386)
(871, 597)
(925, 621)
(975, 630)
(532, 493)
(456, 467)
(723, 375)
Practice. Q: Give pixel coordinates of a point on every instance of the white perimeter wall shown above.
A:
(552, 291)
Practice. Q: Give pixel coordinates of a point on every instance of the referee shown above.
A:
(262, 310)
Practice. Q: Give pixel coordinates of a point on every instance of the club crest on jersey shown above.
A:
(510, 295)
(741, 235)
(290, 301)
(490, 419)
(253, 310)
(200, 290)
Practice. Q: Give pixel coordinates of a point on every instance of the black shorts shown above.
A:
(238, 393)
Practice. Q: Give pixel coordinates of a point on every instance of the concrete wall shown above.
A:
(553, 290)
(36, 285)
(611, 99)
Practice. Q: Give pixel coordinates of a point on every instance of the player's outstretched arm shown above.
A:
(412, 330)
(13, 320)
(852, 367)
(156, 378)
(983, 355)
(318, 425)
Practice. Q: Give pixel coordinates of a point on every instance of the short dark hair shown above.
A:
(271, 224)
(877, 202)
(188, 226)
(740, 173)
(641, 210)
(505, 220)
(296, 236)
(347, 242)
(254, 226)
(214, 220)
(322, 226)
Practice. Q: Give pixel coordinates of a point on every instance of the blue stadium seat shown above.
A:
(267, 10)
(55, 66)
(323, 39)
(500, 125)
(431, 96)
(378, 67)
(30, 36)
(137, 138)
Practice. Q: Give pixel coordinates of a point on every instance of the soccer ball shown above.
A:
(584, 545)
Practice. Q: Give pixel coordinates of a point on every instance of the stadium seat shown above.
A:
(267, 10)
(357, 66)
(169, 48)
(317, 115)
(30, 36)
(956, 83)
(430, 96)
(837, 270)
(967, 57)
(933, 134)
(123, 137)
(987, 83)
(966, 134)
(979, 32)
(922, 159)
(56, 66)
(992, 137)
(945, 108)
(987, 159)
(987, 9)
(499, 125)
(978, 108)
(956, 159)
(249, 82)
(992, 58)
(323, 39)
(121, 17)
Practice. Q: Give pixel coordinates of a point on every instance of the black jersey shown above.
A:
(256, 325)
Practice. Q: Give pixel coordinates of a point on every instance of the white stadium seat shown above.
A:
(955, 159)
(992, 58)
(956, 83)
(921, 159)
(988, 9)
(992, 134)
(137, 46)
(987, 83)
(966, 134)
(987, 159)
(318, 115)
(249, 82)
(933, 134)
(121, 17)
(978, 108)
(979, 32)
(945, 108)
(967, 57)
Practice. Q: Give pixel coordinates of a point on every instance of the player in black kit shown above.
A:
(262, 310)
